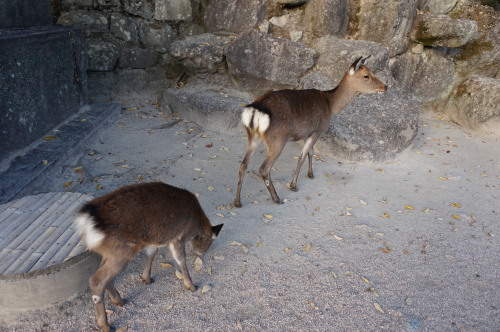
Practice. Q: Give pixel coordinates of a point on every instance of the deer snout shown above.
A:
(383, 89)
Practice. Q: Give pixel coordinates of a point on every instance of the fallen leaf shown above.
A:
(99, 187)
(337, 237)
(473, 217)
(210, 188)
(425, 210)
(456, 217)
(330, 182)
(380, 170)
(260, 244)
(442, 178)
(349, 213)
(219, 215)
(363, 202)
(287, 248)
(209, 271)
(196, 194)
(219, 258)
(197, 169)
(308, 247)
(365, 280)
(167, 308)
(409, 207)
(45, 162)
(333, 274)
(67, 184)
(378, 307)
(455, 204)
(209, 145)
(166, 265)
(228, 189)
(178, 274)
(213, 157)
(386, 215)
(244, 248)
(408, 301)
(49, 138)
(238, 323)
(373, 291)
(235, 243)
(349, 273)
(206, 289)
(198, 264)
(268, 216)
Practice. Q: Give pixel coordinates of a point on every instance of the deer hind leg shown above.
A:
(111, 265)
(307, 150)
(274, 149)
(310, 173)
(253, 142)
(179, 252)
(146, 273)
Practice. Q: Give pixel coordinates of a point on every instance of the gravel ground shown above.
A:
(410, 245)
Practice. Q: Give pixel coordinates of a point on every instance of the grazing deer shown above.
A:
(142, 216)
(292, 115)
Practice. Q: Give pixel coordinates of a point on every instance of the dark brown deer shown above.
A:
(147, 216)
(292, 115)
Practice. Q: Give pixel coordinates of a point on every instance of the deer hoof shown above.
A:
(192, 288)
(310, 176)
(147, 281)
(119, 303)
(293, 188)
(105, 328)
(237, 204)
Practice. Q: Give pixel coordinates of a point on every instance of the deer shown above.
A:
(138, 217)
(277, 117)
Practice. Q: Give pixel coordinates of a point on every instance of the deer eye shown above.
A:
(366, 76)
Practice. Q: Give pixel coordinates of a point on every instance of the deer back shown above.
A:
(148, 214)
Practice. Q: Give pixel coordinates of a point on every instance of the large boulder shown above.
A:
(137, 58)
(234, 15)
(428, 76)
(481, 56)
(259, 62)
(142, 8)
(441, 30)
(102, 55)
(173, 10)
(384, 22)
(201, 54)
(437, 7)
(336, 55)
(476, 105)
(373, 128)
(87, 21)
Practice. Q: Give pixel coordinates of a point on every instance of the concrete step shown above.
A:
(44, 160)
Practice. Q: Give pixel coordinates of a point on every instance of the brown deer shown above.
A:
(147, 216)
(292, 115)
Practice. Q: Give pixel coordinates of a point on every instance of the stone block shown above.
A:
(157, 39)
(102, 55)
(234, 15)
(87, 21)
(441, 30)
(123, 27)
(259, 62)
(476, 105)
(316, 80)
(131, 80)
(336, 55)
(438, 7)
(201, 54)
(142, 8)
(43, 81)
(173, 10)
(134, 57)
(16, 14)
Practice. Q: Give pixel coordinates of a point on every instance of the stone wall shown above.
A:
(430, 46)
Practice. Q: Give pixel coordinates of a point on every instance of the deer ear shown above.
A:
(355, 66)
(363, 62)
(216, 229)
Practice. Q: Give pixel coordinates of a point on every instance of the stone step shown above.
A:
(27, 173)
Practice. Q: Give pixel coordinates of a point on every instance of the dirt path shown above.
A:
(410, 245)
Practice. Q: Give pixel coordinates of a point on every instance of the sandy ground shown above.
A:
(409, 245)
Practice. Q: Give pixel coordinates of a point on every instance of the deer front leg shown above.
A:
(306, 150)
(179, 252)
(273, 152)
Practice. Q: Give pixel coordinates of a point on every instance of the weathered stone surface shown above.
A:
(106, 4)
(476, 105)
(24, 13)
(373, 128)
(336, 55)
(234, 15)
(173, 10)
(143, 8)
(385, 22)
(314, 19)
(123, 27)
(481, 56)
(203, 53)
(428, 76)
(137, 58)
(88, 21)
(131, 80)
(259, 61)
(437, 7)
(172, 66)
(316, 80)
(441, 30)
(43, 81)
(102, 55)
(158, 40)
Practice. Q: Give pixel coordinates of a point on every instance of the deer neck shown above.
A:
(340, 97)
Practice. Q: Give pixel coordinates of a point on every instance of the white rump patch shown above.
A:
(260, 119)
(86, 227)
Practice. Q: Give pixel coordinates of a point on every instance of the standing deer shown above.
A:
(147, 216)
(292, 115)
